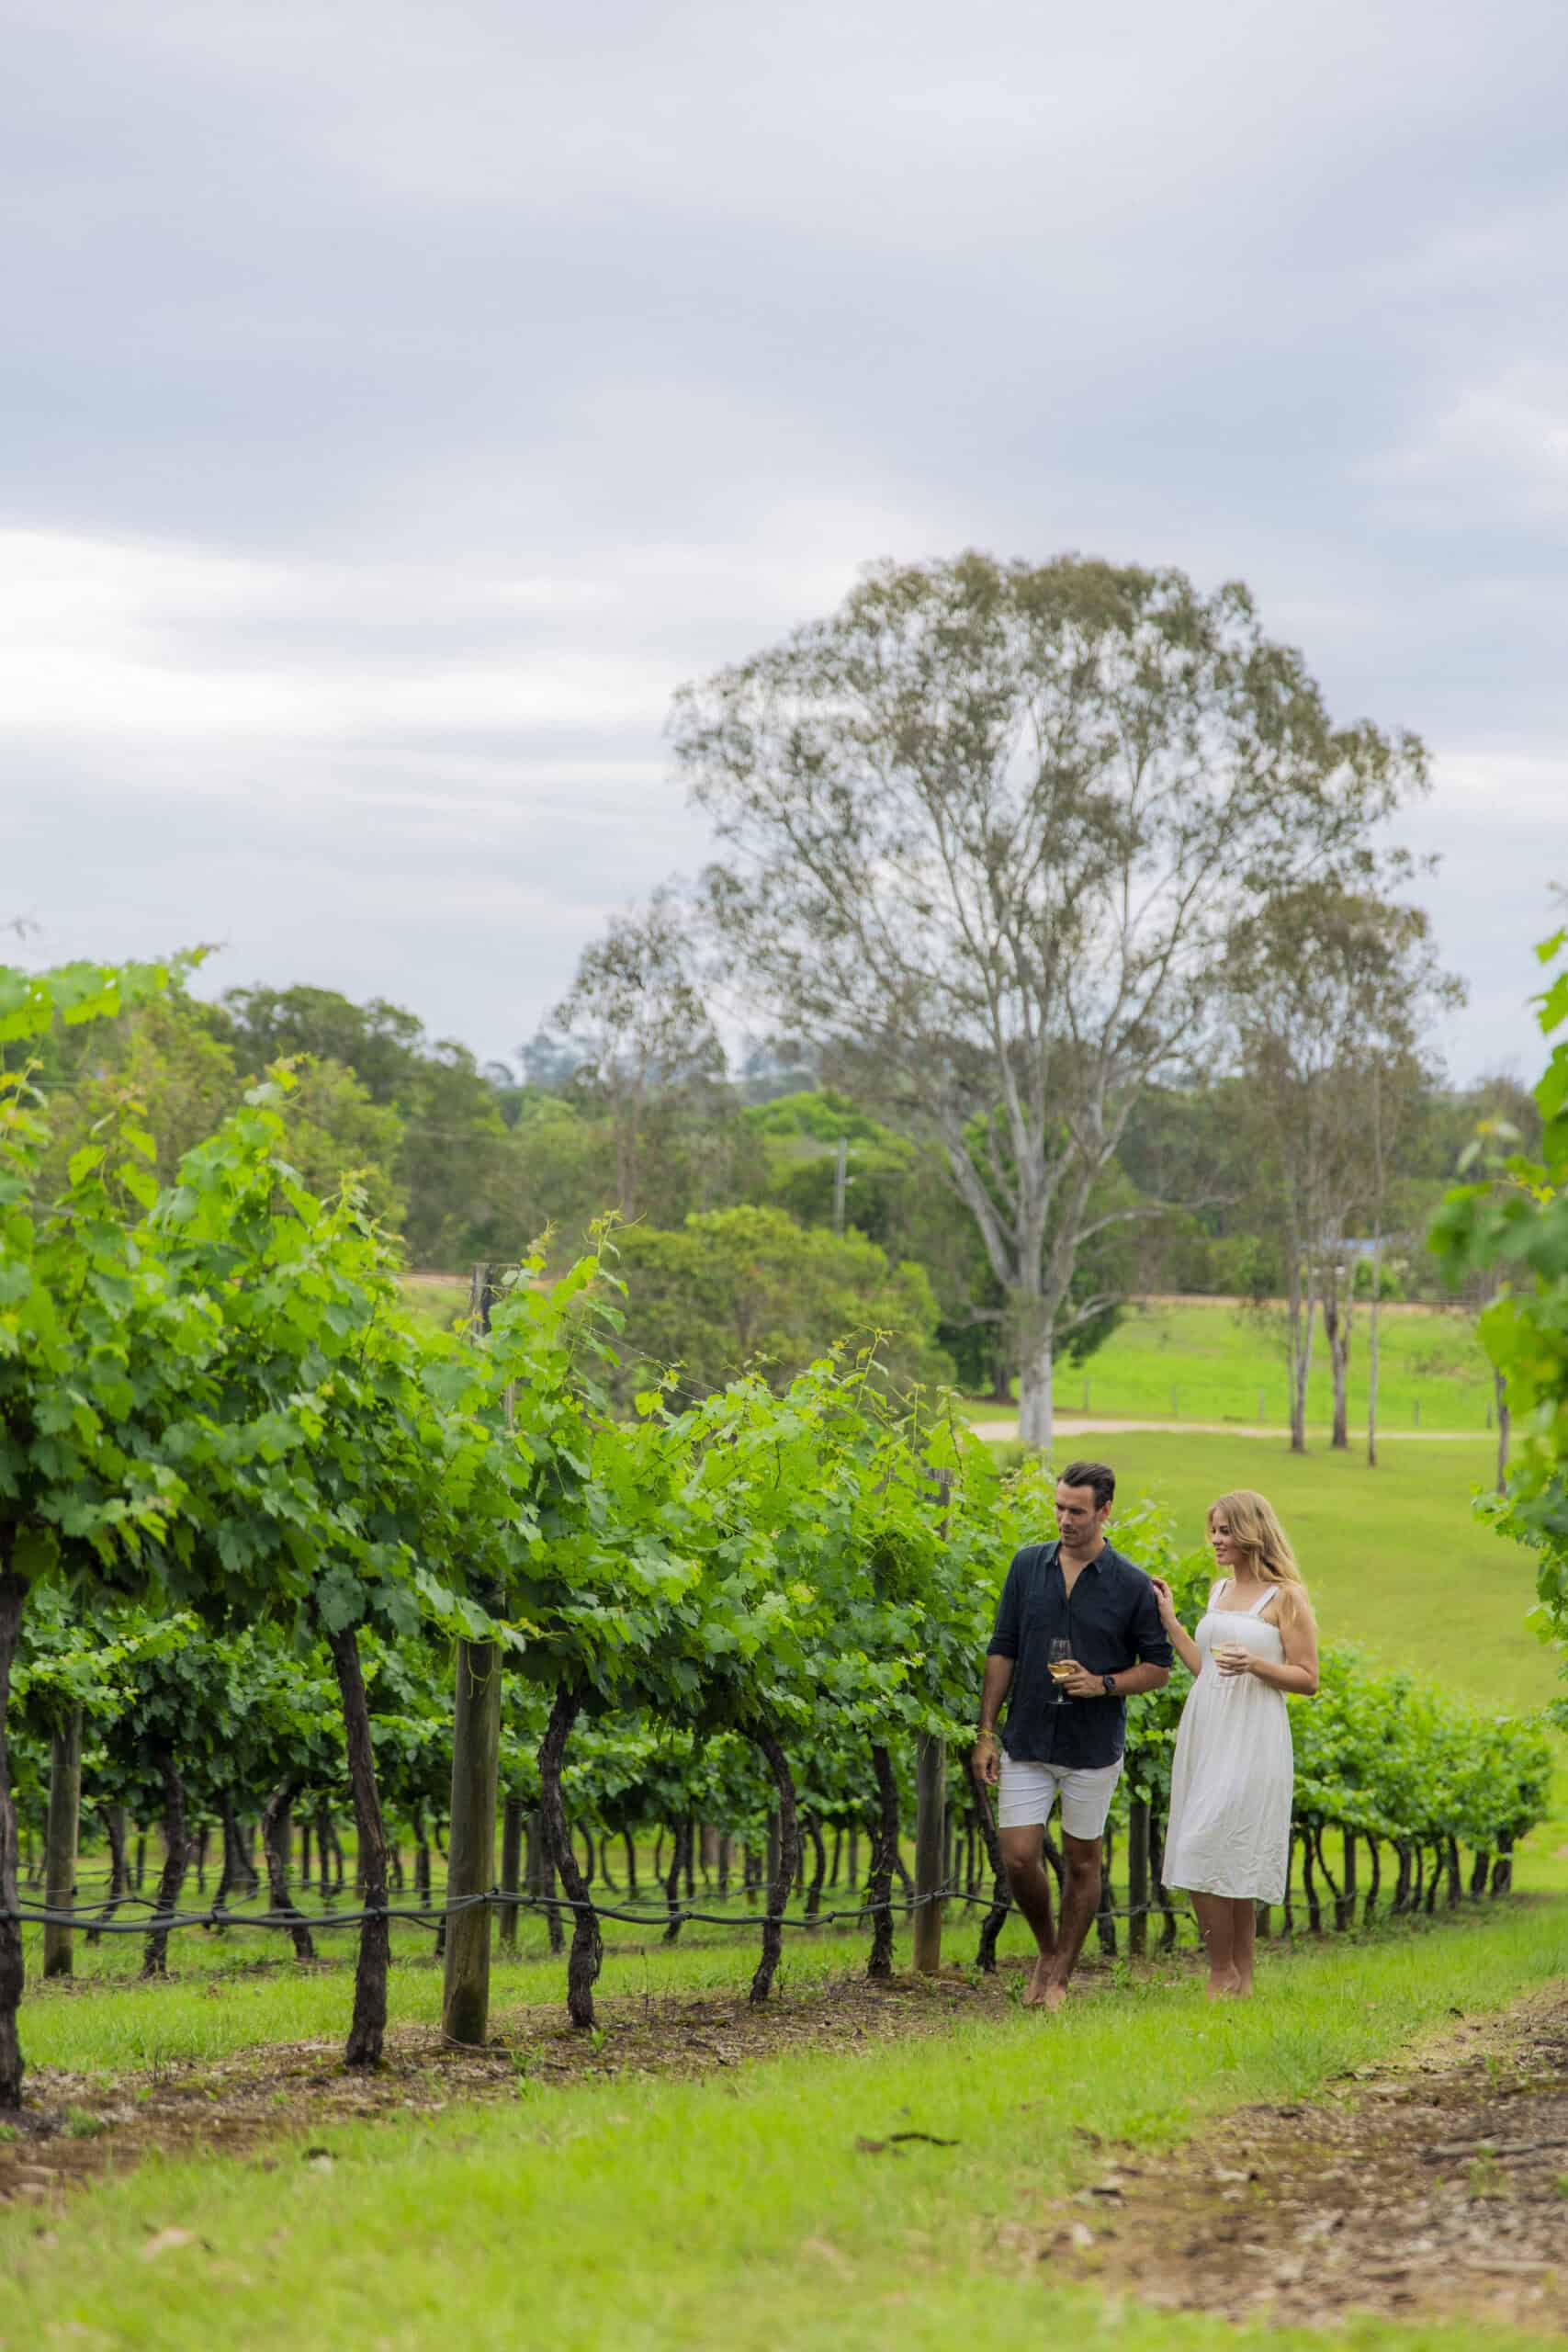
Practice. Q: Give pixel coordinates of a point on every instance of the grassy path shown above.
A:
(745, 2212)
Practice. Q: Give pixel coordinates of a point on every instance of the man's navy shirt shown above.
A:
(1112, 1620)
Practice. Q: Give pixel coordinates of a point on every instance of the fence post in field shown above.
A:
(60, 1840)
(1138, 1877)
(471, 1845)
(930, 1849)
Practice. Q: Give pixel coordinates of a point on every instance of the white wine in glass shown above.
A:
(1059, 1661)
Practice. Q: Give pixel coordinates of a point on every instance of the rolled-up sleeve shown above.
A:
(1005, 1631)
(1150, 1640)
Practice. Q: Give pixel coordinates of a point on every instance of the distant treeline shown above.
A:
(769, 1213)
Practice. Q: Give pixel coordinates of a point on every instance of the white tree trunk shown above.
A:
(1301, 1302)
(1036, 1407)
(1372, 1351)
(1339, 1315)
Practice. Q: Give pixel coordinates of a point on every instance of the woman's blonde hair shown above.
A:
(1255, 1530)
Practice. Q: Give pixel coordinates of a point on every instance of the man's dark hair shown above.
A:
(1098, 1475)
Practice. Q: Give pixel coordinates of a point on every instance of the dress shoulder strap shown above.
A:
(1259, 1606)
(1217, 1588)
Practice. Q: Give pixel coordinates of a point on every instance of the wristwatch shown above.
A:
(1110, 1682)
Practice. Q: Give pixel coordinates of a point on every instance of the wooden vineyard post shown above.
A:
(1138, 1877)
(930, 1849)
(471, 1847)
(60, 1841)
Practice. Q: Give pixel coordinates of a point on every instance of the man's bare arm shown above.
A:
(986, 1759)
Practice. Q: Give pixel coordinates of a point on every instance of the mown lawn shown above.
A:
(1219, 1359)
(740, 2212)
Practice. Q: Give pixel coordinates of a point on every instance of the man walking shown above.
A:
(1077, 1634)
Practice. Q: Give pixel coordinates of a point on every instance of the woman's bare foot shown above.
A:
(1035, 1991)
(1055, 1998)
(1225, 1986)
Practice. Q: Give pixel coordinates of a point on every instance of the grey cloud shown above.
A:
(426, 393)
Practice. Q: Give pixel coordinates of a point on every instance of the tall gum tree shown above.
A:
(984, 832)
(1333, 993)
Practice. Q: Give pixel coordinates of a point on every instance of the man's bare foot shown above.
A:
(1035, 1991)
(1055, 1998)
(1227, 1987)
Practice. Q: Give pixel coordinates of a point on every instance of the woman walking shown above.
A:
(1228, 1840)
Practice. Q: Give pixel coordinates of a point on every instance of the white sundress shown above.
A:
(1234, 1770)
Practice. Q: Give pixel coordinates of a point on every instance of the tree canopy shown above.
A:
(984, 833)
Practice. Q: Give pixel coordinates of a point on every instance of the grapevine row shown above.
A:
(226, 1449)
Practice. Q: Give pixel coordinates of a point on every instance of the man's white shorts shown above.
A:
(1028, 1791)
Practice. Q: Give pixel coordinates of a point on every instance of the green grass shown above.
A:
(211, 2007)
(435, 1300)
(1219, 1359)
(738, 2211)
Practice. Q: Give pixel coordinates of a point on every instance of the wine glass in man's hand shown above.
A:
(1060, 1660)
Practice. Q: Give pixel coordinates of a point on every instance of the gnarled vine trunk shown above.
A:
(587, 1943)
(818, 1868)
(367, 2027)
(883, 1854)
(121, 1883)
(61, 1837)
(276, 1837)
(1156, 1880)
(680, 1835)
(788, 1862)
(995, 1919)
(13, 1598)
(1312, 1837)
(177, 1847)
(513, 1816)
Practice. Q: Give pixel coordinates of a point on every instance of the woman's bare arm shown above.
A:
(1183, 1642)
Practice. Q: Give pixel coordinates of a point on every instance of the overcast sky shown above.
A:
(402, 401)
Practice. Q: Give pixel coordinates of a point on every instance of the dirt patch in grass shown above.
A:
(1434, 2186)
(76, 2127)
